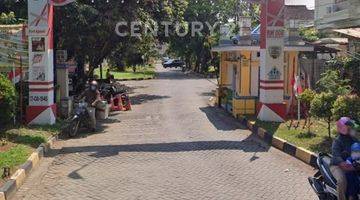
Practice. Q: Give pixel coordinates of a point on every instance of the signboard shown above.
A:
(272, 61)
(41, 73)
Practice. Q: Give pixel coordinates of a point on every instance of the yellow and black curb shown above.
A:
(18, 178)
(298, 152)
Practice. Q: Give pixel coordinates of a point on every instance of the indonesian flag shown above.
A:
(15, 78)
(297, 86)
(61, 2)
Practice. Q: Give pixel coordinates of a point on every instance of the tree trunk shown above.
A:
(329, 127)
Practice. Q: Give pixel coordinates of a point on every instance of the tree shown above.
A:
(87, 30)
(348, 106)
(331, 82)
(309, 34)
(18, 7)
(348, 68)
(321, 107)
(7, 100)
(197, 50)
(306, 98)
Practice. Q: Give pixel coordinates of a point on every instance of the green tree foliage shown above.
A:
(352, 72)
(8, 18)
(306, 98)
(309, 34)
(348, 106)
(18, 7)
(87, 30)
(7, 100)
(321, 107)
(197, 50)
(349, 68)
(332, 82)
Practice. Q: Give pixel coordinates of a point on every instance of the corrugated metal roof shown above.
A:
(331, 41)
(353, 32)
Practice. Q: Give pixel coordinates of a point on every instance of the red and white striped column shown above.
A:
(271, 106)
(41, 109)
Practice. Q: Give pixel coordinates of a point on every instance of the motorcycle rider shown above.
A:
(92, 97)
(341, 149)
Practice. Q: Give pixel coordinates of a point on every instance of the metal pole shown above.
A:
(13, 80)
(21, 91)
(299, 76)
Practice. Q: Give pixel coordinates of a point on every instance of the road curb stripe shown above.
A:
(278, 143)
(18, 178)
(302, 154)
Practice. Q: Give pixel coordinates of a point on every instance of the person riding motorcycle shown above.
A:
(341, 149)
(92, 97)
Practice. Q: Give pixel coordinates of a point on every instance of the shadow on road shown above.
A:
(221, 119)
(247, 145)
(144, 98)
(175, 75)
(250, 144)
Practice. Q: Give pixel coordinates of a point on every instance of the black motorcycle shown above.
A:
(323, 182)
(79, 119)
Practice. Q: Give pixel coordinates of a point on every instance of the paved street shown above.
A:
(172, 145)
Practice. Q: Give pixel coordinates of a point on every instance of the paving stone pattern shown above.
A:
(171, 146)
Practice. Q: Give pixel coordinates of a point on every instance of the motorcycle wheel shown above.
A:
(74, 127)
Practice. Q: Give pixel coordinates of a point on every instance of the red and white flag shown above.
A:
(61, 2)
(14, 77)
(297, 86)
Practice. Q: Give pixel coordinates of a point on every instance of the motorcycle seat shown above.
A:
(324, 166)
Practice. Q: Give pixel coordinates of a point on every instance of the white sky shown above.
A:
(309, 3)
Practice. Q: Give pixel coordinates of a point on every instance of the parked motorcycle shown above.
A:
(108, 91)
(79, 119)
(323, 182)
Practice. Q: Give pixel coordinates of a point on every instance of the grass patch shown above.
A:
(14, 157)
(17, 143)
(141, 72)
(317, 140)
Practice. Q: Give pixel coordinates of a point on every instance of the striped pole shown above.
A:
(271, 106)
(41, 109)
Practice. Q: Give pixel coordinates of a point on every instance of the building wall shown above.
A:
(331, 14)
(245, 87)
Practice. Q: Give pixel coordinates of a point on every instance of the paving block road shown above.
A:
(171, 146)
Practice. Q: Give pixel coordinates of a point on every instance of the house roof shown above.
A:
(353, 32)
(298, 12)
(331, 41)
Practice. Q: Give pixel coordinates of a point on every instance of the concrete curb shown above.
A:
(300, 153)
(18, 178)
(136, 79)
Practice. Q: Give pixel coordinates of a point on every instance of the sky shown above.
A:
(309, 3)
